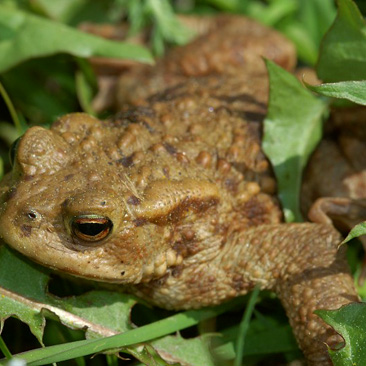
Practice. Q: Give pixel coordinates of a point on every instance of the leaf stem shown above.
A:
(4, 349)
(244, 326)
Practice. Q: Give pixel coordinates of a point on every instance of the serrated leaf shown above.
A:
(101, 313)
(350, 322)
(189, 352)
(355, 91)
(24, 36)
(23, 294)
(108, 309)
(151, 331)
(343, 50)
(356, 231)
(292, 129)
(20, 284)
(149, 356)
(21, 309)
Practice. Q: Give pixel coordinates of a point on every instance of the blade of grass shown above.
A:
(62, 352)
(244, 326)
(11, 108)
(4, 349)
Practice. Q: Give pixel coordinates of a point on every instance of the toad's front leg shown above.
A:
(300, 262)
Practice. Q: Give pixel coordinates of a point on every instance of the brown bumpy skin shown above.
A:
(178, 193)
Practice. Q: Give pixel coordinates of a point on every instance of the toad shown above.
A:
(173, 198)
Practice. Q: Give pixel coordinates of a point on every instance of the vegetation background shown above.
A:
(44, 73)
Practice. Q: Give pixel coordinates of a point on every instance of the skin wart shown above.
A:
(174, 198)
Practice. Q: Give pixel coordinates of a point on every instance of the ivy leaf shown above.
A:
(350, 322)
(292, 129)
(24, 36)
(343, 50)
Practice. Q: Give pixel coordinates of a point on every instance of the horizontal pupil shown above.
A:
(91, 229)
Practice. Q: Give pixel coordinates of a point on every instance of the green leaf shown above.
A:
(21, 283)
(313, 19)
(23, 295)
(151, 331)
(149, 356)
(188, 352)
(49, 91)
(74, 12)
(101, 313)
(272, 13)
(167, 26)
(227, 5)
(292, 129)
(350, 322)
(299, 35)
(108, 309)
(24, 36)
(316, 16)
(355, 91)
(61, 10)
(357, 231)
(343, 51)
(267, 334)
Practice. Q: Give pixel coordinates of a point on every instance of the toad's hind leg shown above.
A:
(308, 273)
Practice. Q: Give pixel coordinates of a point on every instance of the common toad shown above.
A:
(174, 199)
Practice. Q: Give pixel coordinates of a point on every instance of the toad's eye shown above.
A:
(13, 150)
(91, 227)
